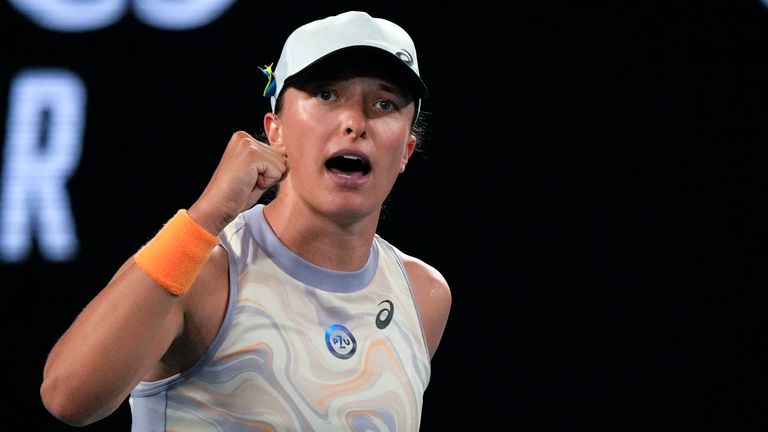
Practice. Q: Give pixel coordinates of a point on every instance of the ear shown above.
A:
(274, 130)
(409, 149)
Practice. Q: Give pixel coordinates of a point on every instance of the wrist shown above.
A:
(210, 220)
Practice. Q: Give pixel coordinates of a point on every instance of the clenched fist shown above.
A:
(247, 168)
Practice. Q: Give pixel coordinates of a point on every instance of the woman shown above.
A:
(290, 315)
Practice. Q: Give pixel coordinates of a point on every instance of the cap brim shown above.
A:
(358, 53)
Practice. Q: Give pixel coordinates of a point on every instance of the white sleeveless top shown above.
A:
(301, 348)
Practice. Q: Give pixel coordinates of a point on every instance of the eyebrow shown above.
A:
(392, 88)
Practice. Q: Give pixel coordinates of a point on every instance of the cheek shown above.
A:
(393, 161)
(399, 138)
(298, 138)
(393, 129)
(304, 150)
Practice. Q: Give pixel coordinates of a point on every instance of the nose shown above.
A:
(354, 120)
(354, 132)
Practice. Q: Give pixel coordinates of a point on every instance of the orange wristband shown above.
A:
(175, 255)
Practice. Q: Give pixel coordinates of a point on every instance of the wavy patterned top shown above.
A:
(301, 348)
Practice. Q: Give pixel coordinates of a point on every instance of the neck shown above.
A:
(326, 240)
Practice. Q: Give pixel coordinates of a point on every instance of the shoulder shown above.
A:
(425, 275)
(433, 297)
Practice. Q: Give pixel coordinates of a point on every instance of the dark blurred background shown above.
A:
(592, 187)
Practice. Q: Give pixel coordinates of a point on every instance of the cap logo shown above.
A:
(406, 57)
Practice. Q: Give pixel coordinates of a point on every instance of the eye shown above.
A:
(325, 94)
(386, 105)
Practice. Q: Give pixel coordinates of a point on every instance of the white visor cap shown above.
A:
(317, 39)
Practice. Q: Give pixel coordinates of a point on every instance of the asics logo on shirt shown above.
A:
(385, 315)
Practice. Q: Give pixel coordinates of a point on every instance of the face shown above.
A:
(346, 141)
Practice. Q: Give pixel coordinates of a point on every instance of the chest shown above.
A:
(324, 330)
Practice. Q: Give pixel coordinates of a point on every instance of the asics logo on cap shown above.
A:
(406, 57)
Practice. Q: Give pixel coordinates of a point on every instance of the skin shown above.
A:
(135, 330)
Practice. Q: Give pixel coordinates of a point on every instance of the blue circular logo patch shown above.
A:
(340, 341)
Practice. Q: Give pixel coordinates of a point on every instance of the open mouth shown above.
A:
(348, 164)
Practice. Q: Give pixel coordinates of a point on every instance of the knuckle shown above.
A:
(239, 135)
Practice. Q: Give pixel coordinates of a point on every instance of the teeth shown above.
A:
(348, 163)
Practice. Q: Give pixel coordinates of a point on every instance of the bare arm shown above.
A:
(112, 344)
(122, 335)
(433, 297)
